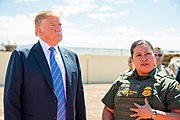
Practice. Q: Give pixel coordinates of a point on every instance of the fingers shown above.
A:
(134, 115)
(138, 118)
(134, 109)
(137, 105)
(141, 111)
(146, 101)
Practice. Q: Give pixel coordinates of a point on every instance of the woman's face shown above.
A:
(143, 59)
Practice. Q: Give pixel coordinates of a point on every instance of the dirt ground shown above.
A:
(93, 96)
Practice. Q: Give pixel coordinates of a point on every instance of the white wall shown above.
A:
(95, 68)
(4, 58)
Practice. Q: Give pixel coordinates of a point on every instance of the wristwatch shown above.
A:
(154, 114)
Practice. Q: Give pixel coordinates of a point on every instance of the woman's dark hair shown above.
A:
(140, 42)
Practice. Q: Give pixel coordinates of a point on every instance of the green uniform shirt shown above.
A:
(162, 91)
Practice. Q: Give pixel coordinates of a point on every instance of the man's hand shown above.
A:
(142, 112)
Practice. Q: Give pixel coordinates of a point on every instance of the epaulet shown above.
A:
(160, 75)
(125, 75)
(118, 81)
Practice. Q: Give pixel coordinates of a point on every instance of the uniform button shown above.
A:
(54, 118)
(55, 101)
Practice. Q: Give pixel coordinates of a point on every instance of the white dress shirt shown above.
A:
(58, 58)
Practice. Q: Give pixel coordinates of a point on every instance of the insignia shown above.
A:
(124, 92)
(132, 92)
(128, 92)
(147, 91)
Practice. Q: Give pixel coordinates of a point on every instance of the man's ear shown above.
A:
(38, 31)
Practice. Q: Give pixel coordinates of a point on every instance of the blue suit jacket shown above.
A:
(28, 91)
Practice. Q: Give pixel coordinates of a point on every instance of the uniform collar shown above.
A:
(152, 74)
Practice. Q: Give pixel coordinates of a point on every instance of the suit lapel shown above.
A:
(40, 57)
(68, 71)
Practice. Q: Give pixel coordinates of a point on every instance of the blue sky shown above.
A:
(96, 23)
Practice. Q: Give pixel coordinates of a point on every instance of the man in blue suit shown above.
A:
(29, 92)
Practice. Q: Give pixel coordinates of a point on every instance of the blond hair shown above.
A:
(43, 15)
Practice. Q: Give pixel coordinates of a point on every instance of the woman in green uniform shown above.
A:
(144, 93)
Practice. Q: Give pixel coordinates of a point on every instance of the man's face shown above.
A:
(159, 57)
(50, 30)
(143, 59)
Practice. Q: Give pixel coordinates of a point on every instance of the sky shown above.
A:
(96, 23)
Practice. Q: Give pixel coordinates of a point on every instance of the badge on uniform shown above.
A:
(147, 91)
